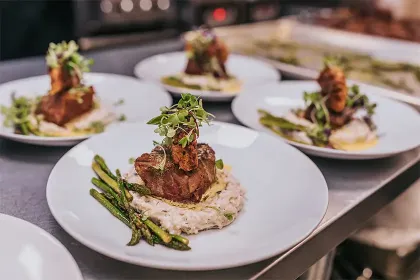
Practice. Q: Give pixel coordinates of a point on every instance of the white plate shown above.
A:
(140, 101)
(282, 207)
(249, 71)
(30, 253)
(398, 123)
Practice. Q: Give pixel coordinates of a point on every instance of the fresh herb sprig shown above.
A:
(67, 54)
(17, 115)
(357, 99)
(320, 114)
(187, 116)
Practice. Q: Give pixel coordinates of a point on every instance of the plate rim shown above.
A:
(57, 140)
(326, 152)
(63, 248)
(158, 265)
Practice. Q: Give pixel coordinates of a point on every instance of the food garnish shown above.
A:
(70, 107)
(66, 55)
(115, 197)
(205, 69)
(18, 114)
(187, 116)
(326, 112)
(175, 184)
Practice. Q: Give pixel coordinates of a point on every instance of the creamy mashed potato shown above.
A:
(79, 126)
(219, 207)
(354, 136)
(204, 82)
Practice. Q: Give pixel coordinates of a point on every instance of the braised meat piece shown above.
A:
(201, 62)
(185, 157)
(172, 182)
(62, 79)
(333, 84)
(63, 107)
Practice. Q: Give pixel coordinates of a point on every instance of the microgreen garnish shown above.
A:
(97, 127)
(186, 116)
(66, 54)
(119, 102)
(320, 114)
(357, 99)
(228, 216)
(122, 118)
(219, 164)
(131, 160)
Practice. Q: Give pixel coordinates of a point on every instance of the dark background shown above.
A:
(27, 27)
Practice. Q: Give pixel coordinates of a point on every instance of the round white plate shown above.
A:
(398, 123)
(282, 207)
(140, 100)
(248, 70)
(30, 253)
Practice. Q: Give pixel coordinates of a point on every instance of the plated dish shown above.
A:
(305, 115)
(176, 194)
(179, 184)
(335, 116)
(29, 252)
(69, 108)
(69, 105)
(205, 68)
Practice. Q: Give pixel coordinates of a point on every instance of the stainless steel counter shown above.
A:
(357, 189)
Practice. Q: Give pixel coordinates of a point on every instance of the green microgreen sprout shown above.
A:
(186, 116)
(66, 54)
(219, 164)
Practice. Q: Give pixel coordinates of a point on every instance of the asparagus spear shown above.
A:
(174, 244)
(180, 239)
(99, 160)
(134, 223)
(122, 191)
(108, 180)
(142, 190)
(110, 207)
(105, 188)
(135, 236)
(163, 235)
(270, 120)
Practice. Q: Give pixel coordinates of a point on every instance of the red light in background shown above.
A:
(219, 14)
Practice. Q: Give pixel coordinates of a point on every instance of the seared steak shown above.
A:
(172, 182)
(61, 108)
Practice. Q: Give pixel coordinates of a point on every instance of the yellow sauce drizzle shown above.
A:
(358, 146)
(215, 188)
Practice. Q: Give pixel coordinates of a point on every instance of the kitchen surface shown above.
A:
(333, 213)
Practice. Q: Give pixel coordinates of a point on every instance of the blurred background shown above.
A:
(26, 27)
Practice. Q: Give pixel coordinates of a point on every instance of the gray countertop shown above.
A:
(357, 189)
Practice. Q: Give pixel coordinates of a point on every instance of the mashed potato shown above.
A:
(217, 211)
